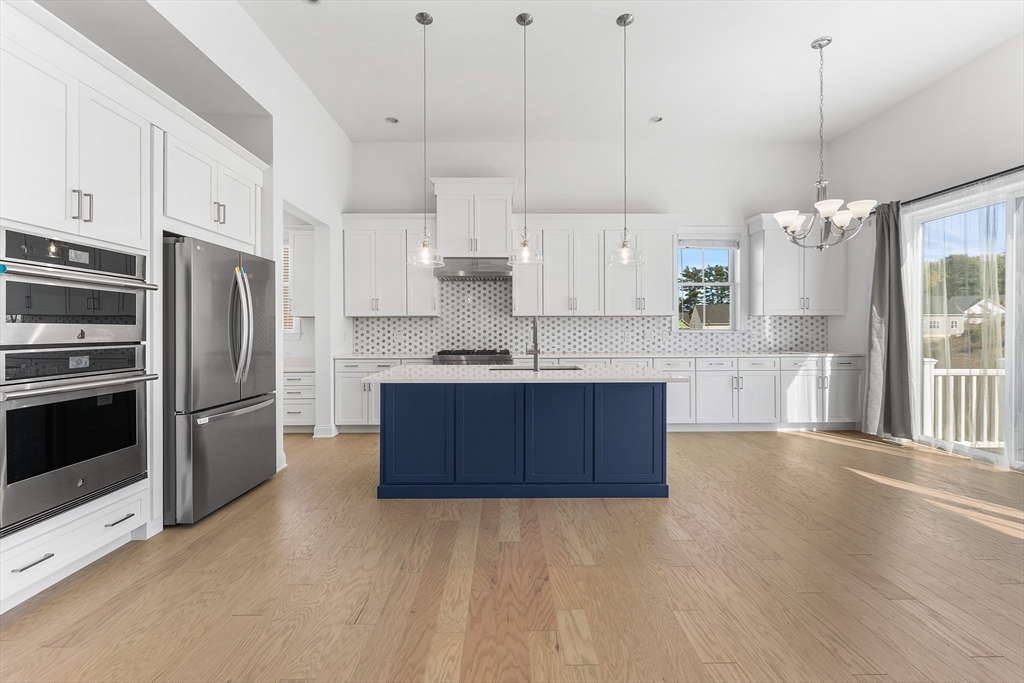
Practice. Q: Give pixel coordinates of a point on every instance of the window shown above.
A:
(706, 284)
(954, 324)
(934, 324)
(288, 323)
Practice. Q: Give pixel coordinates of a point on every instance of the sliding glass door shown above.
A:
(963, 251)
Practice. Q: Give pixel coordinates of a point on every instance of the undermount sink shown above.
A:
(529, 368)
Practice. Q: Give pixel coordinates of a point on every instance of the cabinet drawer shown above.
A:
(299, 412)
(671, 364)
(298, 392)
(759, 363)
(642, 362)
(846, 363)
(802, 363)
(299, 379)
(583, 361)
(716, 363)
(417, 361)
(371, 365)
(65, 544)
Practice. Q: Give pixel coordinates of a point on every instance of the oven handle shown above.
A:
(232, 413)
(86, 278)
(67, 388)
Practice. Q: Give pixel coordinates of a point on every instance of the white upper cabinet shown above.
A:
(71, 159)
(573, 279)
(302, 273)
(788, 280)
(650, 289)
(423, 292)
(588, 273)
(558, 277)
(474, 216)
(204, 192)
(375, 273)
(114, 163)
(528, 290)
(38, 141)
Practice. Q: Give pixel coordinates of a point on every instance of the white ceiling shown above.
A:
(739, 71)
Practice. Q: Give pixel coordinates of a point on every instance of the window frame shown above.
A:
(295, 331)
(737, 302)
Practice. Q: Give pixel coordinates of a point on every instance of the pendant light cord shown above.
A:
(424, 129)
(524, 131)
(624, 174)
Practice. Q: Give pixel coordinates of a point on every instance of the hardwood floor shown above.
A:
(778, 557)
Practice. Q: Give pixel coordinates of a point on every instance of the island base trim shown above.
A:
(588, 490)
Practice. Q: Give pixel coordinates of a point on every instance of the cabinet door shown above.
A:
(417, 434)
(825, 281)
(842, 393)
(350, 399)
(114, 170)
(493, 218)
(759, 397)
(783, 274)
(190, 185)
(679, 399)
(390, 270)
(716, 396)
(558, 262)
(629, 433)
(588, 273)
(489, 433)
(658, 296)
(801, 396)
(455, 224)
(559, 433)
(621, 285)
(373, 404)
(302, 284)
(359, 273)
(38, 141)
(527, 290)
(238, 211)
(422, 288)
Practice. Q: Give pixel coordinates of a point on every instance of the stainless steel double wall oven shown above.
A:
(73, 389)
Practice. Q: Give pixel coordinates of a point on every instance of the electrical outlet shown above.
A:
(397, 337)
(650, 335)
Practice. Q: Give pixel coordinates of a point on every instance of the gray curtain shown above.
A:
(888, 397)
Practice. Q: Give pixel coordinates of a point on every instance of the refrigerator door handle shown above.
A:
(251, 330)
(244, 332)
(232, 413)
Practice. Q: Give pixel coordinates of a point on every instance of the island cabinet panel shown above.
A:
(629, 433)
(559, 433)
(418, 434)
(489, 433)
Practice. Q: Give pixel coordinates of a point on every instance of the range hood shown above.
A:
(474, 269)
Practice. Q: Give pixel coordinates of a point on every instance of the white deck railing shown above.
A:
(963, 405)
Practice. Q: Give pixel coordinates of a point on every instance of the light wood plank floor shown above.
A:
(778, 557)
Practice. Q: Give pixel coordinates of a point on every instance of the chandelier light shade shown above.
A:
(830, 224)
(625, 255)
(425, 255)
(525, 254)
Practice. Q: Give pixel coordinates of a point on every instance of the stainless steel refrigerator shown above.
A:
(219, 361)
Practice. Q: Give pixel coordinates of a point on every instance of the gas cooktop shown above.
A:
(473, 357)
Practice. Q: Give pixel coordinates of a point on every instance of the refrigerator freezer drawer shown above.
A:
(220, 454)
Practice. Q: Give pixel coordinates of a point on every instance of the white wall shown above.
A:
(312, 156)
(705, 184)
(967, 125)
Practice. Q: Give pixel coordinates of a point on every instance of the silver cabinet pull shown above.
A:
(384, 365)
(44, 558)
(643, 305)
(77, 193)
(433, 303)
(826, 381)
(741, 381)
(292, 379)
(123, 519)
(293, 392)
(92, 207)
(293, 412)
(223, 214)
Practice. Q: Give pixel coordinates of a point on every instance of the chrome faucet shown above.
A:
(536, 349)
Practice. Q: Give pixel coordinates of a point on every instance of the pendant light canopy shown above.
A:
(830, 221)
(425, 255)
(524, 253)
(625, 255)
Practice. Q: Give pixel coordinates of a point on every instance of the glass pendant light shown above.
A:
(524, 253)
(625, 255)
(830, 223)
(425, 255)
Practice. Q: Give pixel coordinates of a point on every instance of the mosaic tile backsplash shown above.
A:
(479, 315)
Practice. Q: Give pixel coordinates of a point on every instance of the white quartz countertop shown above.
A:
(373, 356)
(484, 374)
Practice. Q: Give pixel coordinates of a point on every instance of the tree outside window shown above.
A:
(705, 288)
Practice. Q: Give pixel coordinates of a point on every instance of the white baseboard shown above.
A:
(324, 431)
(282, 462)
(298, 429)
(148, 530)
(357, 429)
(765, 427)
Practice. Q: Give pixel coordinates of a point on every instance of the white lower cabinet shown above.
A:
(759, 396)
(679, 399)
(716, 396)
(356, 403)
(801, 396)
(299, 399)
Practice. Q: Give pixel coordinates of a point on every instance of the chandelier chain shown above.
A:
(821, 114)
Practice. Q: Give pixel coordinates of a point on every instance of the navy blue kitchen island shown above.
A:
(593, 432)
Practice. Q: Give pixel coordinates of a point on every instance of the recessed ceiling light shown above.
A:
(655, 119)
(311, 2)
(391, 119)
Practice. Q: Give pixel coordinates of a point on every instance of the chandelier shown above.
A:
(832, 223)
